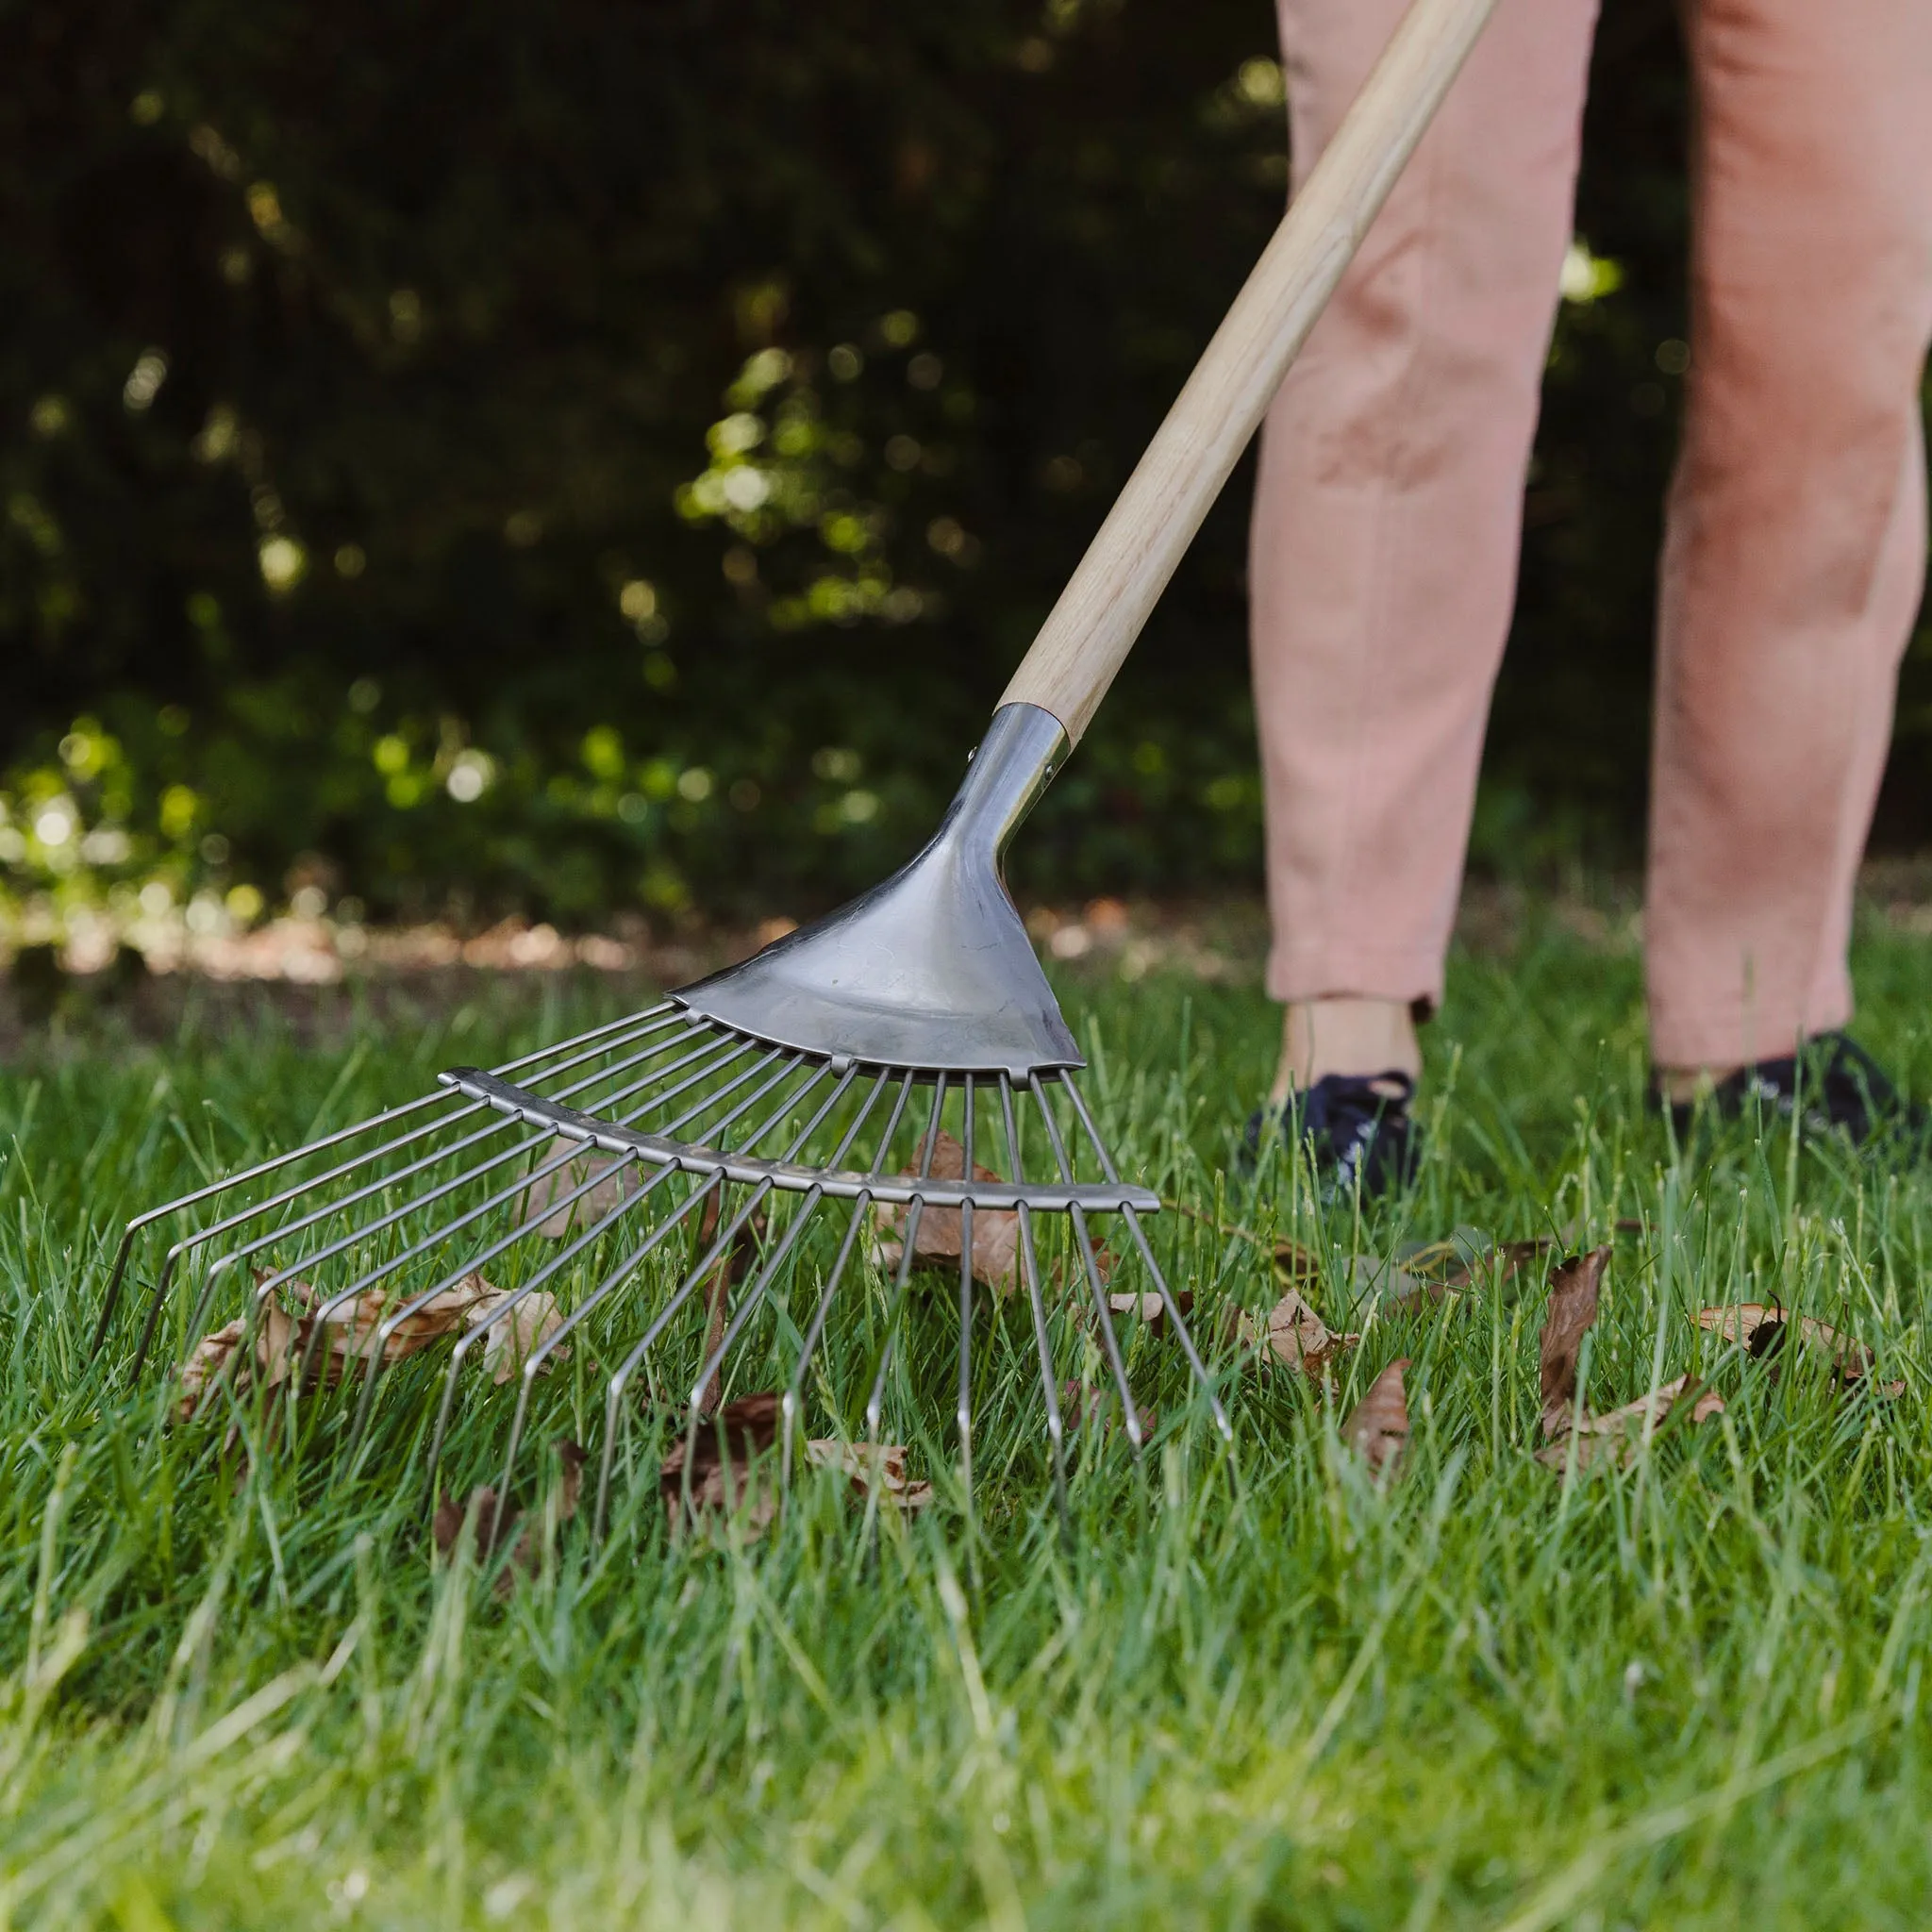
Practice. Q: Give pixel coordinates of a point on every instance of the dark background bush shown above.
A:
(357, 385)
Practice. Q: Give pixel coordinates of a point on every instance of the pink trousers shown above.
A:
(1389, 507)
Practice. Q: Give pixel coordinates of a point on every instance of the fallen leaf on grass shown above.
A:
(1377, 1426)
(1574, 1290)
(995, 1230)
(353, 1323)
(510, 1341)
(209, 1357)
(492, 1523)
(1612, 1439)
(617, 1177)
(1150, 1308)
(726, 1273)
(872, 1465)
(1445, 1269)
(1762, 1331)
(731, 1473)
(722, 1452)
(1087, 1406)
(1295, 1334)
(330, 1337)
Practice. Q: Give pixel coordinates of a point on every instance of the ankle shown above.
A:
(1345, 1034)
(1682, 1085)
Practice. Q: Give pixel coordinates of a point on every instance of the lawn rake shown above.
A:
(765, 1168)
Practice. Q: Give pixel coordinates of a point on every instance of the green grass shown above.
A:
(1248, 1689)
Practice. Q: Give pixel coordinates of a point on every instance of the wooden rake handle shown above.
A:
(1109, 597)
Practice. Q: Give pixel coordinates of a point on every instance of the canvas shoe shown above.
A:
(1843, 1090)
(1359, 1128)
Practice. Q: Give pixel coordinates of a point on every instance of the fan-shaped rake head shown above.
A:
(756, 1177)
(697, 1213)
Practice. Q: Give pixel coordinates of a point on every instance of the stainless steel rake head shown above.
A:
(801, 1114)
(749, 1184)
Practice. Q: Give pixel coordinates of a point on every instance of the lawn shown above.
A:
(1250, 1686)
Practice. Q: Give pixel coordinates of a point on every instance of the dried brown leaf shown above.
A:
(730, 1270)
(723, 1451)
(1091, 1405)
(1573, 1290)
(492, 1523)
(727, 1476)
(995, 1230)
(512, 1338)
(1295, 1334)
(1377, 1426)
(1762, 1331)
(617, 1179)
(1612, 1439)
(443, 1314)
(330, 1337)
(204, 1365)
(872, 1465)
(1150, 1308)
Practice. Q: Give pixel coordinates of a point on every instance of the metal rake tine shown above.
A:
(1180, 1327)
(848, 1139)
(542, 1352)
(200, 1237)
(674, 1015)
(576, 1316)
(1029, 1264)
(876, 1401)
(531, 1365)
(669, 1007)
(235, 1180)
(435, 1159)
(755, 1292)
(1104, 1316)
(861, 1205)
(1133, 1219)
(628, 1265)
(1102, 1313)
(874, 1406)
(620, 1378)
(1056, 1422)
(720, 1244)
(964, 1411)
(1092, 1132)
(389, 1116)
(720, 1247)
(416, 1203)
(520, 1184)
(403, 1141)
(473, 1264)
(608, 1286)
(380, 1335)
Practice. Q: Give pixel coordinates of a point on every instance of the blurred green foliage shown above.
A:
(584, 457)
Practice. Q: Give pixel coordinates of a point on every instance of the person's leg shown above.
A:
(1388, 515)
(1795, 549)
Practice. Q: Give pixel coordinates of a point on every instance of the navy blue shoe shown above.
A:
(1358, 1126)
(1843, 1090)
